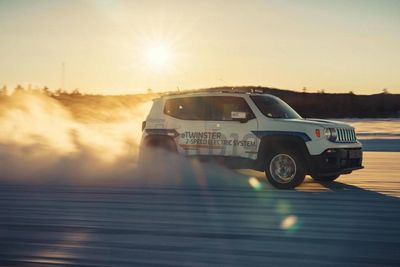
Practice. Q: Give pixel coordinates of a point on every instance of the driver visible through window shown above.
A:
(274, 107)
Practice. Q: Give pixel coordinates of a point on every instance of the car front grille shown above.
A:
(346, 135)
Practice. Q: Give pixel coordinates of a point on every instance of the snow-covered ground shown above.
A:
(375, 128)
(377, 134)
(238, 221)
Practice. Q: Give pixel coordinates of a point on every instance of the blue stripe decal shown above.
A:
(261, 134)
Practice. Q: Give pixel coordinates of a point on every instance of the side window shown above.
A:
(186, 108)
(223, 106)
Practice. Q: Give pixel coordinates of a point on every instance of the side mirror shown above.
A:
(239, 116)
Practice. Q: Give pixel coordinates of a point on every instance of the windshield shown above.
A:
(274, 107)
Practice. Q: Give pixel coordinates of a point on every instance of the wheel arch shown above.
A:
(270, 144)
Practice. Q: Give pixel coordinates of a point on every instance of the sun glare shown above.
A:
(158, 56)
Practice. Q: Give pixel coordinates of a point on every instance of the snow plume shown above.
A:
(42, 142)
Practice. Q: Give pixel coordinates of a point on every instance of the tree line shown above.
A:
(308, 105)
(329, 105)
(45, 90)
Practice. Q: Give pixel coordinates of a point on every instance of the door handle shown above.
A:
(216, 127)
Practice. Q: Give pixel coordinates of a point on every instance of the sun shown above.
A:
(158, 56)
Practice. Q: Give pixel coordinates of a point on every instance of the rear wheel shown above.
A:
(161, 143)
(285, 169)
(328, 178)
(156, 148)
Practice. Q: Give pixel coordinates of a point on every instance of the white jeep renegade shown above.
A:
(255, 131)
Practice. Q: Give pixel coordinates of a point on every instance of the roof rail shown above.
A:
(211, 90)
(248, 91)
(231, 92)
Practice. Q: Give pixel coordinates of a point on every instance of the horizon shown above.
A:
(6, 91)
(125, 47)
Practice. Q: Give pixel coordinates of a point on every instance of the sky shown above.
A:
(123, 47)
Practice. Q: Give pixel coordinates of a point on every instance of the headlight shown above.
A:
(330, 134)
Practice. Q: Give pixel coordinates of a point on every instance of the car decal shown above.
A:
(198, 146)
(261, 134)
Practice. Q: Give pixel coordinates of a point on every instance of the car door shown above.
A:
(232, 123)
(187, 116)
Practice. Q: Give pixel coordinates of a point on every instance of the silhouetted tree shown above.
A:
(58, 92)
(19, 88)
(76, 92)
(46, 91)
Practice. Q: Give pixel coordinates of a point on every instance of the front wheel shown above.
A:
(285, 169)
(328, 178)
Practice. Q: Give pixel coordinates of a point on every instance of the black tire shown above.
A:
(156, 148)
(328, 178)
(273, 170)
(161, 143)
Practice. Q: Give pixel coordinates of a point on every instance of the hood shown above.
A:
(327, 123)
(321, 123)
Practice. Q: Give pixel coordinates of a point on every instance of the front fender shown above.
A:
(270, 143)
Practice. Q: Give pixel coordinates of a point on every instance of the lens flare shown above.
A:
(290, 224)
(255, 184)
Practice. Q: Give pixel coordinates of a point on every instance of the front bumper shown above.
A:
(336, 161)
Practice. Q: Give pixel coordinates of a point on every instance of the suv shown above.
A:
(255, 131)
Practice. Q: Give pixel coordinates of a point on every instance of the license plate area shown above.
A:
(355, 154)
